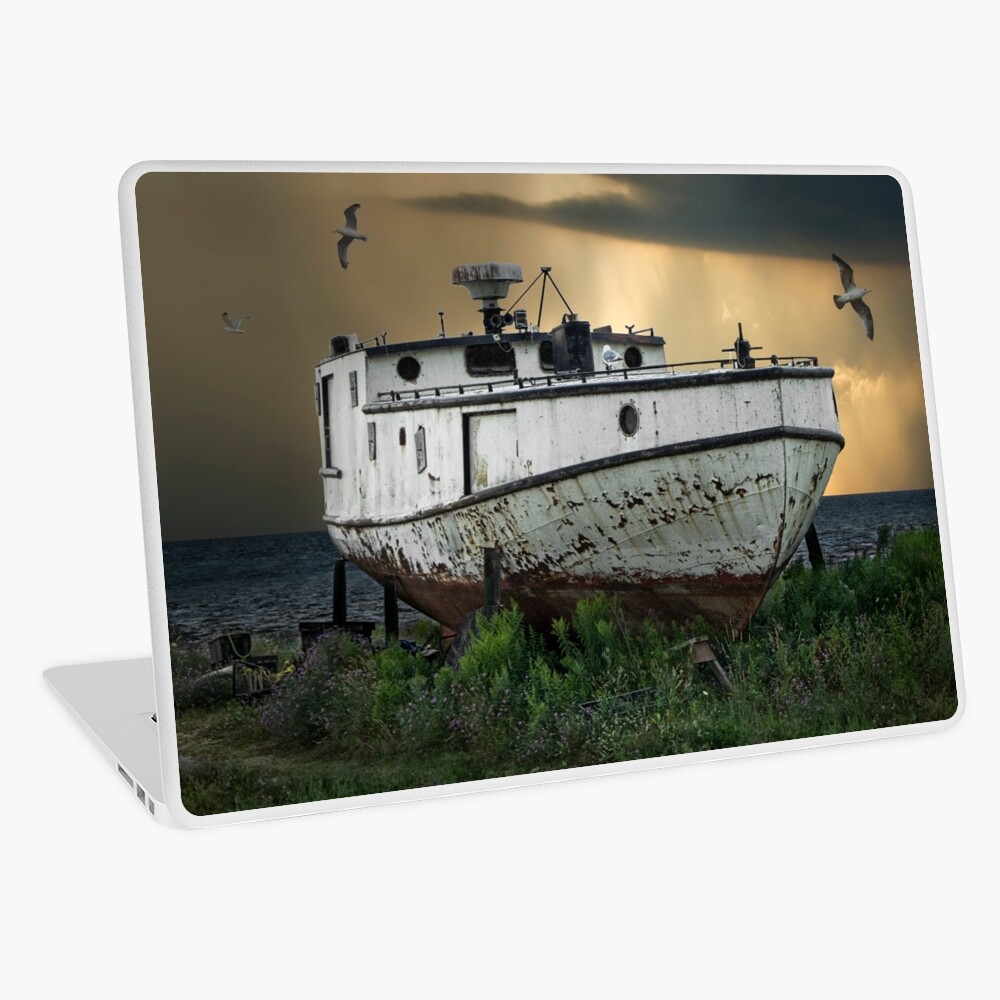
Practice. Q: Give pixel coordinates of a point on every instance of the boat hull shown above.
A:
(691, 529)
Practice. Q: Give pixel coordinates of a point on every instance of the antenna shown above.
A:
(545, 273)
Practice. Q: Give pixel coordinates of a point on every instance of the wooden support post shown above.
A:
(340, 594)
(491, 582)
(815, 551)
(391, 611)
(699, 651)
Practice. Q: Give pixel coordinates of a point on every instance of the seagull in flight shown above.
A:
(233, 325)
(854, 295)
(348, 234)
(610, 357)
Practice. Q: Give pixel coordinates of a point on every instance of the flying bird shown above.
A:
(233, 325)
(348, 234)
(610, 357)
(854, 295)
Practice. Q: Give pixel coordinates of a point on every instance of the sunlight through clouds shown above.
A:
(882, 416)
(647, 251)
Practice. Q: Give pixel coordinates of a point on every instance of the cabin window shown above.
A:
(489, 359)
(633, 357)
(408, 368)
(402, 436)
(545, 359)
(339, 345)
(353, 378)
(371, 441)
(628, 419)
(326, 396)
(421, 444)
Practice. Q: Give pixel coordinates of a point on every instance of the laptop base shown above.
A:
(116, 704)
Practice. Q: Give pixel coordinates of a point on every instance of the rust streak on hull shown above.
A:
(700, 536)
(722, 601)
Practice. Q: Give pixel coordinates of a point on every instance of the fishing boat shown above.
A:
(591, 462)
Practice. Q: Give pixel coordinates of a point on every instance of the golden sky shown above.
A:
(237, 446)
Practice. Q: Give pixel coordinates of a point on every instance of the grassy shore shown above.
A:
(862, 646)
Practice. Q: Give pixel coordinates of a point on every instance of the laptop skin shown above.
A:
(457, 477)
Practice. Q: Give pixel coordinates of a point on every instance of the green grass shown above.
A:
(863, 646)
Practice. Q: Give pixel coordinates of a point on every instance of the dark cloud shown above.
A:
(782, 215)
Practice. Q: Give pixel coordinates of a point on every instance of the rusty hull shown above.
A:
(698, 534)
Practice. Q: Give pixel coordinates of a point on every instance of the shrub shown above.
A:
(329, 695)
(196, 683)
(859, 646)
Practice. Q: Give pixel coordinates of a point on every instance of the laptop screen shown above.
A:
(468, 473)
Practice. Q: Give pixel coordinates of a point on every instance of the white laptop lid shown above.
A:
(696, 375)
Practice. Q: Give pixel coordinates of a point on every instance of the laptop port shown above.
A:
(125, 775)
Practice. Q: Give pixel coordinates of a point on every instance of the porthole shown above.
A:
(628, 419)
(408, 368)
(633, 357)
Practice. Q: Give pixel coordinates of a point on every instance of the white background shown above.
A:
(860, 870)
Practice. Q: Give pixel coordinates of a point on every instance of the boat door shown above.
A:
(491, 452)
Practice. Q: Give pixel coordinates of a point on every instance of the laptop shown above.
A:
(456, 477)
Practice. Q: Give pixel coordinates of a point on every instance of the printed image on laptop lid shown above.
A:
(479, 475)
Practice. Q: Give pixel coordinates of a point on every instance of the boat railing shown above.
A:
(535, 381)
(774, 361)
(461, 389)
(379, 340)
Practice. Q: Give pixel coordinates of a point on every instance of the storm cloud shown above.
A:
(806, 216)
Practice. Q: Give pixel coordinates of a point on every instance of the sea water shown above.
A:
(270, 583)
